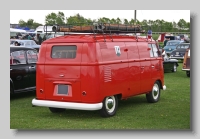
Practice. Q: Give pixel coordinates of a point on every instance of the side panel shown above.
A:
(40, 65)
(156, 65)
(115, 69)
(90, 78)
(134, 67)
(145, 69)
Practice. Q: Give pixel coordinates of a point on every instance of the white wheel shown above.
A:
(154, 95)
(110, 105)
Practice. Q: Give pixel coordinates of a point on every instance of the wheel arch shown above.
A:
(160, 82)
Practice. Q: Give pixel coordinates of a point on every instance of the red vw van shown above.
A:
(93, 71)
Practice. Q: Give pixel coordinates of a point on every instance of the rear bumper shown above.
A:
(67, 105)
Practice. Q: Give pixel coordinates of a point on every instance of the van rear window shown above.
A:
(68, 52)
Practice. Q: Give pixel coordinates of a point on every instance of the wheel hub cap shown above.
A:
(110, 103)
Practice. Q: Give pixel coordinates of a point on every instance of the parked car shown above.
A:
(169, 64)
(171, 45)
(22, 69)
(27, 43)
(180, 50)
(186, 62)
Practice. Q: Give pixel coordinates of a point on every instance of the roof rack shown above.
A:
(96, 27)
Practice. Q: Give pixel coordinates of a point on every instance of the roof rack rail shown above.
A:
(96, 27)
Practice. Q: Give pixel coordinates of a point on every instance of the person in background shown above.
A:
(17, 36)
(29, 37)
(166, 40)
(17, 44)
(39, 39)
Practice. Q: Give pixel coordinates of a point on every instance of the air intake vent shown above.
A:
(107, 74)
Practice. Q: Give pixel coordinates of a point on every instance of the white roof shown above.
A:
(16, 30)
(41, 28)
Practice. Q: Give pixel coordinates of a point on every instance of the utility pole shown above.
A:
(135, 17)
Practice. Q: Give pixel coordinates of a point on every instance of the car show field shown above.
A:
(172, 112)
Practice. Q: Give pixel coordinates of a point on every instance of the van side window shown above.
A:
(18, 57)
(153, 51)
(67, 52)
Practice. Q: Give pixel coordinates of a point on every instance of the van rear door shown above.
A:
(62, 72)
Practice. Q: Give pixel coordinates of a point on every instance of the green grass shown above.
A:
(172, 112)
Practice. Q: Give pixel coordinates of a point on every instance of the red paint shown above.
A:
(97, 71)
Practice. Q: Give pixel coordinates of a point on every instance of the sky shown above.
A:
(39, 15)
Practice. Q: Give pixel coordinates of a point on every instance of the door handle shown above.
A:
(142, 67)
(11, 69)
(152, 66)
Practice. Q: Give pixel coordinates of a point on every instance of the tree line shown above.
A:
(154, 25)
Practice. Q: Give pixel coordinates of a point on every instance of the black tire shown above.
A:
(110, 105)
(56, 110)
(154, 95)
(188, 73)
(174, 68)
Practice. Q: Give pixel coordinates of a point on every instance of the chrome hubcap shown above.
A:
(110, 104)
(155, 91)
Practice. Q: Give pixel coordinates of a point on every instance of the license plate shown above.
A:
(169, 48)
(177, 53)
(62, 89)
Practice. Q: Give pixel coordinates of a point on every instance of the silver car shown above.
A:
(26, 43)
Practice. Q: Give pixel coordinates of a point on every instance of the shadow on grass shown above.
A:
(22, 95)
(132, 103)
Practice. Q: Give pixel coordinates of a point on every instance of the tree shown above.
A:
(30, 23)
(182, 24)
(132, 22)
(118, 20)
(78, 19)
(126, 21)
(113, 21)
(53, 18)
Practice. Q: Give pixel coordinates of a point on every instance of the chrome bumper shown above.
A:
(67, 105)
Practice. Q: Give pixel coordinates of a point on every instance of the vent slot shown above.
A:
(107, 74)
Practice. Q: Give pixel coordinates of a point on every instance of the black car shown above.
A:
(180, 50)
(22, 69)
(169, 64)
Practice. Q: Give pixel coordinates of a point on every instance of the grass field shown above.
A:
(172, 112)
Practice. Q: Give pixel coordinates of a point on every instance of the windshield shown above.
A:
(172, 43)
(172, 47)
